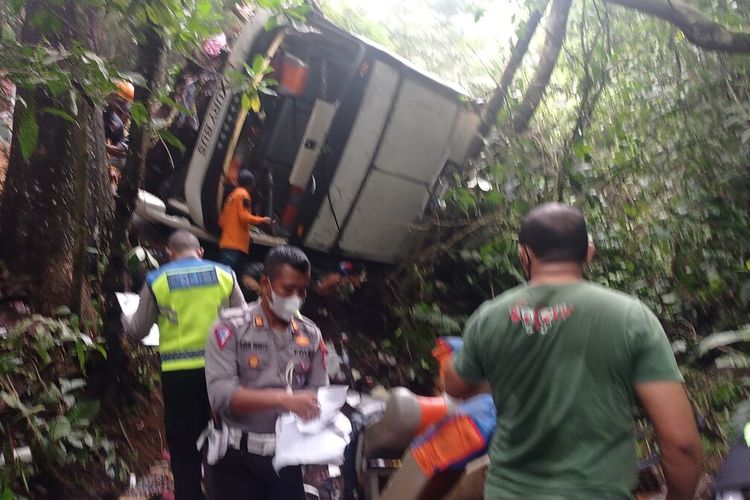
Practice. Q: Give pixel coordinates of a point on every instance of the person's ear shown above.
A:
(523, 255)
(591, 251)
(170, 253)
(201, 251)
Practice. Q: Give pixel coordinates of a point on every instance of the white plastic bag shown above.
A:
(321, 441)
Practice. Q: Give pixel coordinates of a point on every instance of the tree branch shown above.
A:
(699, 29)
(491, 110)
(516, 57)
(556, 30)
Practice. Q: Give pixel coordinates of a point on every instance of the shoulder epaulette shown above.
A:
(234, 315)
(308, 326)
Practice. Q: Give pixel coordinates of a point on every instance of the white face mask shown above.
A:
(285, 307)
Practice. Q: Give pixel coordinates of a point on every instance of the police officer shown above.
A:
(253, 355)
(185, 297)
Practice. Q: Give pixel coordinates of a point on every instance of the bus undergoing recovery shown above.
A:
(346, 154)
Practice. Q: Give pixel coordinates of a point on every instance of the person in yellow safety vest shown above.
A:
(184, 297)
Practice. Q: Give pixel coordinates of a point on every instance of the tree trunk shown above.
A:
(491, 110)
(556, 29)
(151, 64)
(40, 231)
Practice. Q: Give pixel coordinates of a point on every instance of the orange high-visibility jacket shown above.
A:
(235, 221)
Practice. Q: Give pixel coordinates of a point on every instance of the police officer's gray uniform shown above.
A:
(243, 351)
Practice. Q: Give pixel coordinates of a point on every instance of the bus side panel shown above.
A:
(356, 158)
(464, 133)
(379, 227)
(419, 132)
(412, 153)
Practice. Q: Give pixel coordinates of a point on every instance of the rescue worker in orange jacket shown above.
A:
(235, 221)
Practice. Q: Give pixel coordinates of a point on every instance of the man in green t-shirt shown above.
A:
(567, 361)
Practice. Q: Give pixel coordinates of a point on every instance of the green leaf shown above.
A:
(300, 12)
(171, 139)
(28, 133)
(136, 79)
(139, 113)
(582, 150)
(63, 311)
(59, 428)
(271, 23)
(57, 87)
(16, 5)
(171, 102)
(81, 354)
(270, 4)
(83, 412)
(6, 494)
(120, 4)
(102, 350)
(493, 198)
(11, 400)
(259, 64)
(255, 103)
(204, 8)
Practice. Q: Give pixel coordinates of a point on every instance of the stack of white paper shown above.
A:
(129, 305)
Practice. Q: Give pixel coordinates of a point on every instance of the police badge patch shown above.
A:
(222, 334)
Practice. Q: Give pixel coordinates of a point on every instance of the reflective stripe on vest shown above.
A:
(189, 293)
(171, 356)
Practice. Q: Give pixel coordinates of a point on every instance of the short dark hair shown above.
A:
(285, 254)
(246, 179)
(555, 233)
(182, 240)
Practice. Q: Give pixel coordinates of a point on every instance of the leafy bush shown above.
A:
(44, 405)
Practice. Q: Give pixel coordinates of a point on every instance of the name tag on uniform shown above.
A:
(254, 346)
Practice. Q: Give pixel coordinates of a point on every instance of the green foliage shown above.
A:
(28, 132)
(139, 113)
(171, 139)
(53, 417)
(71, 73)
(253, 81)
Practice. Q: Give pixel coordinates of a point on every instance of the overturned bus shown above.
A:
(346, 152)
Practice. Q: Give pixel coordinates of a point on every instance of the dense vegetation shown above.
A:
(640, 116)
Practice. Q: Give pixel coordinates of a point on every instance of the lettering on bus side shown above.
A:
(211, 119)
